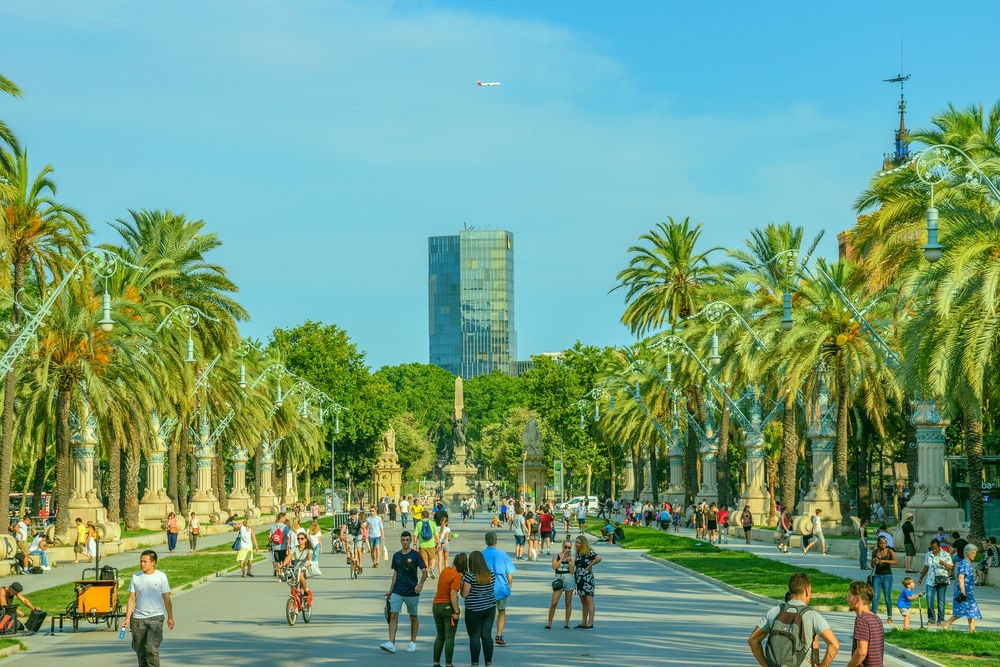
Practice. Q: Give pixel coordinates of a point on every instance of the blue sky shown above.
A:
(325, 141)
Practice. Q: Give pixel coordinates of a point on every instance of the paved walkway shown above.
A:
(647, 614)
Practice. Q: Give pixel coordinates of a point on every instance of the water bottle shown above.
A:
(121, 633)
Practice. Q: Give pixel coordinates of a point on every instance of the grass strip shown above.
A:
(768, 577)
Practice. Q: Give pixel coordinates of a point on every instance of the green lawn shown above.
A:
(764, 576)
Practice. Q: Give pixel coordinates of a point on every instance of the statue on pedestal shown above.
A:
(458, 469)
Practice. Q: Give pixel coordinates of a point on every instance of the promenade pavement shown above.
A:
(647, 614)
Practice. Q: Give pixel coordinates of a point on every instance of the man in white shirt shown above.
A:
(404, 513)
(148, 605)
(375, 530)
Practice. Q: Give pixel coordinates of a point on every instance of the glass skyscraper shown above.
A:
(471, 302)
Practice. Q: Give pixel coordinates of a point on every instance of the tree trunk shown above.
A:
(9, 391)
(590, 473)
(654, 476)
(723, 475)
(219, 476)
(974, 453)
(172, 469)
(692, 480)
(864, 473)
(114, 496)
(182, 468)
(840, 449)
(789, 454)
(307, 492)
(612, 471)
(38, 483)
(133, 459)
(64, 459)
(636, 470)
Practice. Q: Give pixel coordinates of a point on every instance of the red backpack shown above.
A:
(278, 536)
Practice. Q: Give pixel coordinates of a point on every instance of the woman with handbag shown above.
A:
(586, 559)
(964, 602)
(194, 530)
(172, 529)
(883, 558)
(564, 583)
(936, 572)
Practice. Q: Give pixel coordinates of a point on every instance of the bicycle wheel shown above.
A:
(291, 610)
(354, 570)
(307, 612)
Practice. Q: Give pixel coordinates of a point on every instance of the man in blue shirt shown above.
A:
(407, 566)
(503, 570)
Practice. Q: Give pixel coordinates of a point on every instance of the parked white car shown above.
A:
(592, 508)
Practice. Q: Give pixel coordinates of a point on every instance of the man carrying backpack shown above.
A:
(789, 629)
(426, 532)
(280, 538)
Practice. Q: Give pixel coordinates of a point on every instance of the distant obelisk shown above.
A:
(458, 469)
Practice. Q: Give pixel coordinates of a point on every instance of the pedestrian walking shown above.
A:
(564, 583)
(479, 591)
(147, 608)
(868, 638)
(817, 534)
(883, 558)
(172, 530)
(937, 573)
(80, 542)
(247, 547)
(443, 542)
(585, 561)
(909, 543)
(503, 569)
(447, 610)
(376, 528)
(964, 599)
(811, 622)
(194, 530)
(746, 520)
(409, 572)
(864, 557)
(784, 532)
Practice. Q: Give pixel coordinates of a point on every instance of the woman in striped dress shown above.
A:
(480, 608)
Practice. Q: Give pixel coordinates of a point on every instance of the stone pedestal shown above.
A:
(290, 490)
(932, 504)
(204, 501)
(268, 498)
(156, 504)
(457, 486)
(629, 490)
(675, 457)
(647, 480)
(755, 492)
(822, 492)
(708, 451)
(83, 500)
(240, 501)
(387, 475)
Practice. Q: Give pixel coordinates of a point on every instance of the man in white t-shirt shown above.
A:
(21, 535)
(404, 512)
(375, 531)
(148, 605)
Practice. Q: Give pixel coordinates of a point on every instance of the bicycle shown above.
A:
(299, 602)
(356, 568)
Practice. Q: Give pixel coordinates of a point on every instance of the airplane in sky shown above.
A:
(488, 83)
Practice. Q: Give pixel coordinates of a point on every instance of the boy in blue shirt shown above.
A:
(905, 601)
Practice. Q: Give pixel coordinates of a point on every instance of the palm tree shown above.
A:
(39, 237)
(6, 136)
(889, 238)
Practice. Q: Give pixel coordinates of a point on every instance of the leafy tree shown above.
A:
(489, 398)
(427, 393)
(416, 452)
(6, 136)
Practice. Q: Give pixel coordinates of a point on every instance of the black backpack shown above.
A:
(787, 644)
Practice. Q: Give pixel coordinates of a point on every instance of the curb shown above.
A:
(891, 649)
(12, 650)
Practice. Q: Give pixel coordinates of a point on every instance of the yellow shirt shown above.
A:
(417, 511)
(81, 534)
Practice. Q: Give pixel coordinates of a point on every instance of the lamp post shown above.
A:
(935, 164)
(104, 263)
(189, 317)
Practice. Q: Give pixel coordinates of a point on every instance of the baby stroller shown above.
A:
(337, 545)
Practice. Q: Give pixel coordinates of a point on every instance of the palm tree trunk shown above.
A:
(133, 458)
(219, 478)
(789, 454)
(864, 474)
(692, 480)
(38, 483)
(974, 453)
(611, 469)
(307, 492)
(636, 469)
(9, 391)
(654, 477)
(114, 494)
(182, 466)
(723, 475)
(840, 449)
(64, 459)
(172, 470)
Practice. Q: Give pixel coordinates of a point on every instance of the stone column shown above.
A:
(708, 450)
(204, 501)
(156, 504)
(675, 454)
(290, 491)
(647, 474)
(83, 500)
(755, 492)
(240, 501)
(629, 489)
(823, 493)
(268, 499)
(932, 503)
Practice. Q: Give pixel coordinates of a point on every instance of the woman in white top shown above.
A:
(444, 539)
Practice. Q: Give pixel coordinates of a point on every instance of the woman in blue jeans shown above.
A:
(863, 557)
(936, 575)
(480, 608)
(883, 558)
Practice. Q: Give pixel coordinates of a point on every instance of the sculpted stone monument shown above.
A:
(156, 504)
(535, 474)
(387, 474)
(823, 493)
(458, 470)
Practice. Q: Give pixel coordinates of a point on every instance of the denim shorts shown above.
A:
(396, 602)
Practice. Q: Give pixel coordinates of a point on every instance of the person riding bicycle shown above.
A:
(299, 558)
(354, 537)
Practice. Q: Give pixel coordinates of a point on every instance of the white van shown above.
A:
(591, 501)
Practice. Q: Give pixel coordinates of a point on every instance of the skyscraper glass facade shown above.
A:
(471, 302)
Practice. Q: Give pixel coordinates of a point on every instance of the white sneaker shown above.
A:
(46, 567)
(388, 647)
(411, 647)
